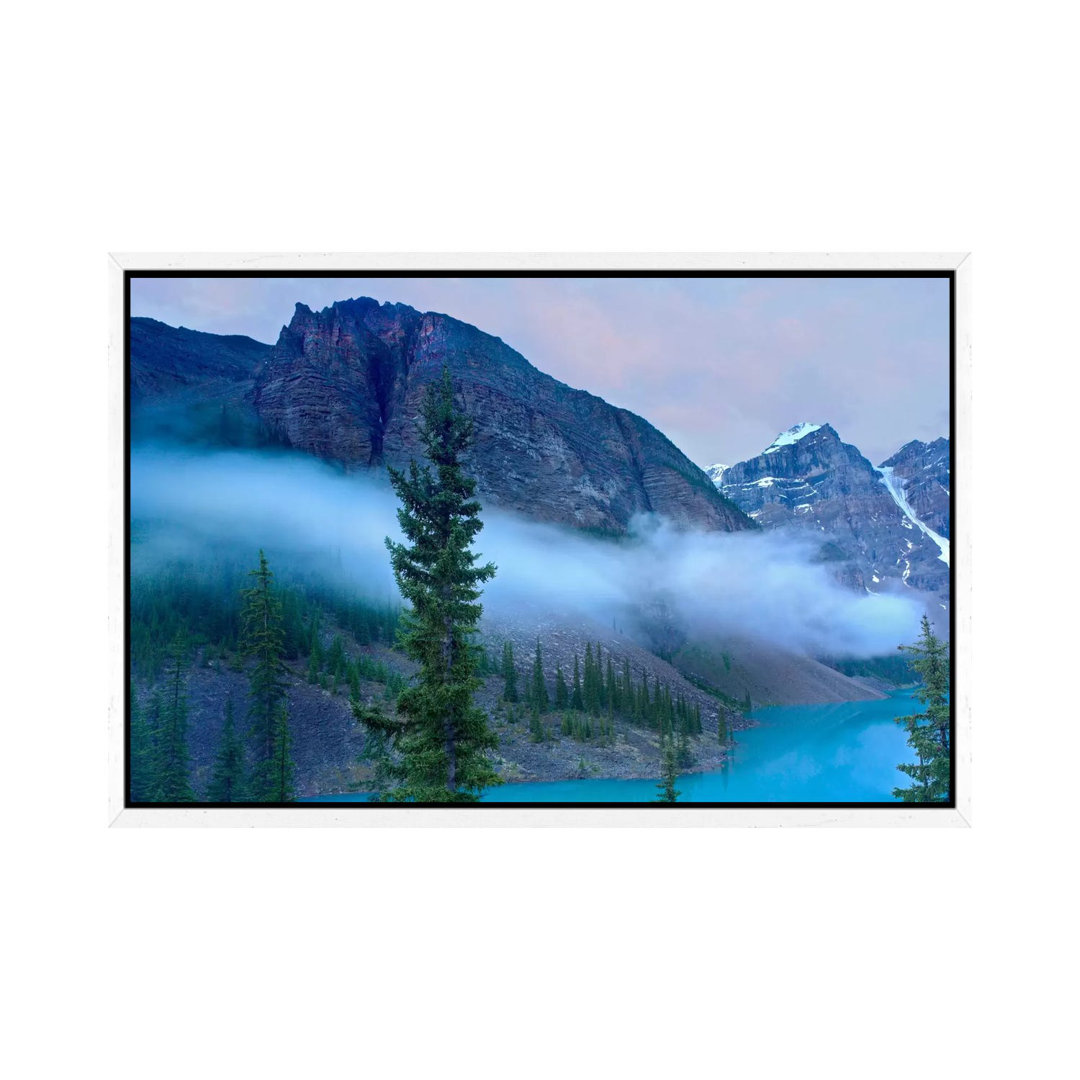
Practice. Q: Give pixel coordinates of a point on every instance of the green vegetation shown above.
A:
(706, 669)
(562, 692)
(538, 695)
(227, 784)
(172, 765)
(159, 754)
(668, 771)
(220, 618)
(205, 600)
(928, 731)
(436, 750)
(600, 693)
(262, 640)
(897, 670)
(509, 673)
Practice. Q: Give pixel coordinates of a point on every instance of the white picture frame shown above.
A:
(509, 815)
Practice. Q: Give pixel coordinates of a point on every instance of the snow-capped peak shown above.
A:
(791, 436)
(715, 472)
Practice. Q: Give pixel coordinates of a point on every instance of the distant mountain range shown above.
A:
(881, 526)
(345, 385)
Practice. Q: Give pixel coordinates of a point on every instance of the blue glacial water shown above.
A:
(847, 752)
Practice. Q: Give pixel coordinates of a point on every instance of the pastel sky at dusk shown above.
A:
(720, 365)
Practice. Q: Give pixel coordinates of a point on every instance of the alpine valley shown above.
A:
(630, 582)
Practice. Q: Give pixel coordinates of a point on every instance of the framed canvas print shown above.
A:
(559, 539)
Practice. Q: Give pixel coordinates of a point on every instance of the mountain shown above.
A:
(715, 473)
(810, 481)
(167, 359)
(345, 384)
(923, 470)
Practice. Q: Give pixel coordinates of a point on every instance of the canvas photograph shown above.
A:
(539, 538)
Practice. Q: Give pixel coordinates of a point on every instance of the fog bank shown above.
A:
(753, 584)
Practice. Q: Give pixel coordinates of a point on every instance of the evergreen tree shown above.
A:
(143, 759)
(536, 728)
(172, 767)
(669, 771)
(576, 699)
(539, 696)
(275, 780)
(562, 694)
(928, 731)
(335, 660)
(592, 686)
(227, 784)
(509, 673)
(601, 688)
(683, 750)
(442, 738)
(262, 639)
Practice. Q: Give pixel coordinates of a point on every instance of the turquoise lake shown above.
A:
(847, 752)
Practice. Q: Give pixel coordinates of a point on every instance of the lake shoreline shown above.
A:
(840, 752)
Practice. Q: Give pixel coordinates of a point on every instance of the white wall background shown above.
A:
(563, 126)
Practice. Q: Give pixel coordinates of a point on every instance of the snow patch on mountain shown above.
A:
(792, 436)
(895, 488)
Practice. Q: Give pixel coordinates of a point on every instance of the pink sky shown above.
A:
(720, 365)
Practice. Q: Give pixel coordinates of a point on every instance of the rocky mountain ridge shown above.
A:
(345, 384)
(924, 470)
(810, 481)
(166, 360)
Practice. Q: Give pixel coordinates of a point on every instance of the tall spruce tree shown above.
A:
(591, 681)
(928, 731)
(263, 640)
(509, 673)
(227, 783)
(562, 693)
(669, 770)
(277, 774)
(172, 782)
(441, 738)
(538, 695)
(143, 751)
(576, 699)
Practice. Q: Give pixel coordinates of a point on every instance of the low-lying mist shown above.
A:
(314, 517)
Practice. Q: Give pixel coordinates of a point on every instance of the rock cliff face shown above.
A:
(924, 470)
(346, 384)
(809, 480)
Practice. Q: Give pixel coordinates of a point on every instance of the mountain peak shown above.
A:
(347, 383)
(793, 435)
